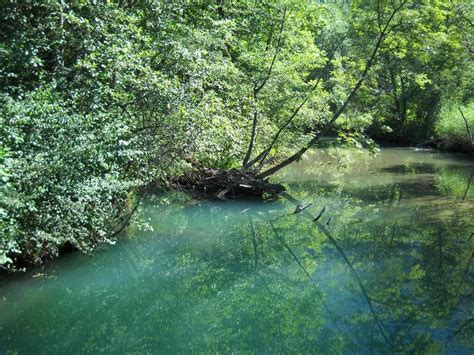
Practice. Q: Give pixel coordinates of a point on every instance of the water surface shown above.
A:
(389, 269)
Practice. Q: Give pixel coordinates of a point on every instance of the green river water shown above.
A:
(389, 269)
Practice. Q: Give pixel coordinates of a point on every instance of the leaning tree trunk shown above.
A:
(250, 180)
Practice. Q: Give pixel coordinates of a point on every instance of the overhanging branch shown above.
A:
(346, 103)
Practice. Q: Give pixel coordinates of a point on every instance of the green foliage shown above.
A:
(76, 145)
(65, 169)
(7, 242)
(451, 182)
(100, 99)
(426, 60)
(456, 124)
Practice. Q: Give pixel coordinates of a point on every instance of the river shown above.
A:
(392, 271)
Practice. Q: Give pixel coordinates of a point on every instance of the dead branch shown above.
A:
(467, 187)
(334, 242)
(468, 130)
(287, 247)
(217, 183)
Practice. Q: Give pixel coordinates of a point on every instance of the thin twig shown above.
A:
(467, 187)
(468, 130)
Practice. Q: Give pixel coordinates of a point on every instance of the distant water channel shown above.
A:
(394, 273)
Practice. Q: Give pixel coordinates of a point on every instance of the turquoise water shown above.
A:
(388, 269)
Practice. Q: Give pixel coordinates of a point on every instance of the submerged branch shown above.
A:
(254, 244)
(459, 330)
(287, 247)
(334, 242)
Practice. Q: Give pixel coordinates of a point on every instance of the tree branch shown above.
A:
(355, 274)
(261, 157)
(343, 107)
(467, 125)
(258, 87)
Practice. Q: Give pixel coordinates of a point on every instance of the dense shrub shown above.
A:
(455, 126)
(66, 174)
(96, 103)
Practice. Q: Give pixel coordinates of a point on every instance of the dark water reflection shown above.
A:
(244, 276)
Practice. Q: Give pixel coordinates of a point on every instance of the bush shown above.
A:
(451, 126)
(64, 178)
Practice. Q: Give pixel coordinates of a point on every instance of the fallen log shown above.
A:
(226, 183)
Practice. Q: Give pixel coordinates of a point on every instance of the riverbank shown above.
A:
(206, 276)
(200, 185)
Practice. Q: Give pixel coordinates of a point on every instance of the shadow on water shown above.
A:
(388, 269)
